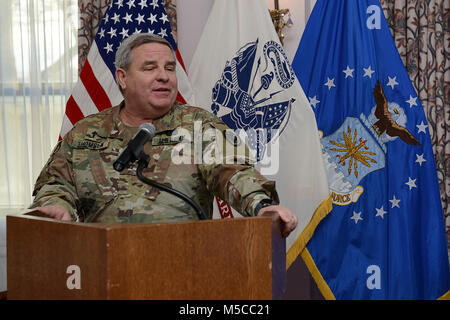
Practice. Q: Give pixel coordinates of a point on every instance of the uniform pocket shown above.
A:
(94, 175)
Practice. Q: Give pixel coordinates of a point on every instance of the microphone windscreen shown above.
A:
(150, 128)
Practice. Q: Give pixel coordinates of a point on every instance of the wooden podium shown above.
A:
(242, 258)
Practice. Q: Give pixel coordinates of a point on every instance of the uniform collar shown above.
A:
(167, 122)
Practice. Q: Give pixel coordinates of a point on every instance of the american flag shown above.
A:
(96, 88)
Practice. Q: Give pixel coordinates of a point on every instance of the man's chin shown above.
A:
(162, 99)
(162, 107)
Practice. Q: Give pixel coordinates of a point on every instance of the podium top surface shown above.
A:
(117, 225)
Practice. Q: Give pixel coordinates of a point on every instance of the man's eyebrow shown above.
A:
(147, 62)
(154, 62)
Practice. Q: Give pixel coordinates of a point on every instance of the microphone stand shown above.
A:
(143, 161)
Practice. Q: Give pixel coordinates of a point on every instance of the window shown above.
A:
(38, 69)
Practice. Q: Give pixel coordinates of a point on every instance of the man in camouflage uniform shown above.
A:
(79, 183)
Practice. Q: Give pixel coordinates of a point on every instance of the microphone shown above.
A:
(134, 151)
(134, 148)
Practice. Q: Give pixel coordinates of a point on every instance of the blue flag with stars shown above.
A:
(385, 237)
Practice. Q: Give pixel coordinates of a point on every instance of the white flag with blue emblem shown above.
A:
(241, 73)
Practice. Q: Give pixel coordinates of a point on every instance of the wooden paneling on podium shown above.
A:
(241, 258)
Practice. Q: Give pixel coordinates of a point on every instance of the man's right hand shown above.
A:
(55, 211)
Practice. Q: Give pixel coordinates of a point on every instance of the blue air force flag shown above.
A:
(241, 73)
(384, 238)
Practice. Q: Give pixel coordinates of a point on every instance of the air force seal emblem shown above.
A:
(350, 154)
(358, 147)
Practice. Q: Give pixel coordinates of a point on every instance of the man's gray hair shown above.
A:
(123, 54)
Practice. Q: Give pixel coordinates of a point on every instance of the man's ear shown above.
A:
(121, 75)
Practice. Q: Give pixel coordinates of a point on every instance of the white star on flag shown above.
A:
(368, 72)
(163, 33)
(154, 4)
(348, 72)
(116, 18)
(356, 217)
(112, 32)
(108, 47)
(412, 101)
(143, 4)
(395, 202)
(411, 183)
(313, 101)
(127, 18)
(420, 159)
(140, 18)
(330, 83)
(130, 4)
(422, 127)
(152, 18)
(380, 212)
(164, 18)
(392, 82)
(124, 33)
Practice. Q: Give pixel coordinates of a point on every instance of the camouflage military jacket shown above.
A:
(79, 174)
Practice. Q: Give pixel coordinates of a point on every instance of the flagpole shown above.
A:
(277, 16)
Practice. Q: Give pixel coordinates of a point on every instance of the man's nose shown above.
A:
(163, 75)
